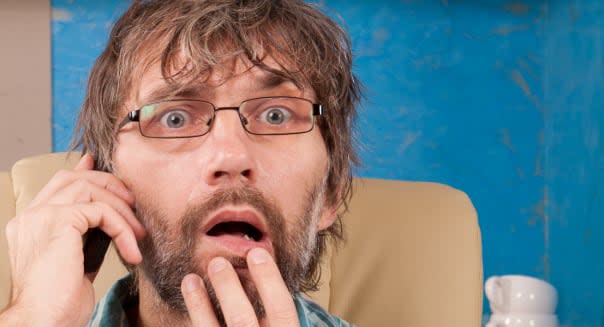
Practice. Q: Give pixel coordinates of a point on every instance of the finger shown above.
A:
(110, 183)
(86, 163)
(236, 307)
(11, 233)
(106, 180)
(103, 216)
(83, 191)
(278, 303)
(197, 302)
(64, 178)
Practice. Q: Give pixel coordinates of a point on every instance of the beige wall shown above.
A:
(25, 92)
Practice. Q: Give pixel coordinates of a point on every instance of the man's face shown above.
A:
(226, 192)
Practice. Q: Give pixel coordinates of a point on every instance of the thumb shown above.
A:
(85, 163)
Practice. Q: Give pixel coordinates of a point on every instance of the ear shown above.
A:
(329, 214)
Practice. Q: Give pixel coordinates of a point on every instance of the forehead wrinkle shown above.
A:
(266, 71)
(264, 76)
(263, 81)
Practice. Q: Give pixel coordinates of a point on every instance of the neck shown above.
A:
(152, 311)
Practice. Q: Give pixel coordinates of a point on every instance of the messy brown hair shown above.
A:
(191, 38)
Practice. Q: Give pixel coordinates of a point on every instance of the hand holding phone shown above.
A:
(96, 244)
(47, 248)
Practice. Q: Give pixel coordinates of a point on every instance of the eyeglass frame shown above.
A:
(134, 116)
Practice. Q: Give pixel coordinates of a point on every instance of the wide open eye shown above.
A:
(275, 116)
(174, 119)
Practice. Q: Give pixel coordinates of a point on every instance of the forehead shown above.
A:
(237, 75)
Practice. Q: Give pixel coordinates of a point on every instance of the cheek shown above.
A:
(158, 177)
(292, 162)
(296, 170)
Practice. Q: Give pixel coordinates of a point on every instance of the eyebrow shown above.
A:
(167, 91)
(272, 80)
(267, 81)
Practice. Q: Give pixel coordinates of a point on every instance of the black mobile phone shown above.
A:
(96, 243)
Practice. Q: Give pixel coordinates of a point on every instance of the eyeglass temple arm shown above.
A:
(132, 116)
(317, 109)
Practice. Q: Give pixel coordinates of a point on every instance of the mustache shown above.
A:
(234, 196)
(196, 215)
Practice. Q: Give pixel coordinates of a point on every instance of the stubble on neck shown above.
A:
(153, 312)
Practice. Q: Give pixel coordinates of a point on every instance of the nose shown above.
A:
(231, 159)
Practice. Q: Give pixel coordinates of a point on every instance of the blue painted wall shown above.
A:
(500, 99)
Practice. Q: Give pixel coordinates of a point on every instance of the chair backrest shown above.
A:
(412, 256)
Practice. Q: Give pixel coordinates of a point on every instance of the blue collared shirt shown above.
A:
(110, 311)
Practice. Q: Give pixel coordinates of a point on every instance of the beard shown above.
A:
(170, 255)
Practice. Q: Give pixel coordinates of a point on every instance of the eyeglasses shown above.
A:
(184, 118)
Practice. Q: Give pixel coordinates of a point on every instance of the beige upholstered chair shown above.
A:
(413, 256)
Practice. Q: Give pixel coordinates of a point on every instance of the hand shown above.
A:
(49, 286)
(236, 308)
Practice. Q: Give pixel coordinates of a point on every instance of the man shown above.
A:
(220, 137)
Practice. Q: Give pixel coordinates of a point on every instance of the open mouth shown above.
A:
(236, 228)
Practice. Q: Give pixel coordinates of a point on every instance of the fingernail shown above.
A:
(217, 264)
(258, 256)
(191, 283)
(139, 254)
